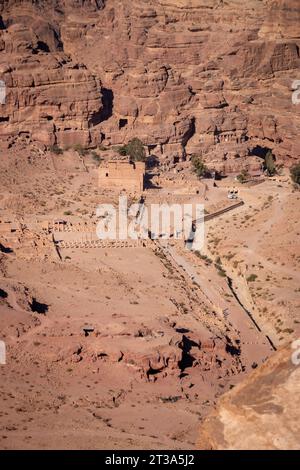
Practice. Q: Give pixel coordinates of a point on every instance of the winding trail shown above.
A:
(217, 291)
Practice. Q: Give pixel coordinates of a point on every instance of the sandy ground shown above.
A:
(259, 247)
(130, 347)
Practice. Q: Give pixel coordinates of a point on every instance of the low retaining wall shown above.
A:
(223, 211)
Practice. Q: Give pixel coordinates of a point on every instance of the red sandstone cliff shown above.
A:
(189, 76)
(259, 413)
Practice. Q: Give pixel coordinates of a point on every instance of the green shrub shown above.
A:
(102, 147)
(295, 173)
(219, 267)
(243, 176)
(252, 278)
(96, 157)
(80, 150)
(199, 166)
(56, 150)
(135, 150)
(270, 163)
(218, 260)
(221, 271)
(203, 257)
(122, 150)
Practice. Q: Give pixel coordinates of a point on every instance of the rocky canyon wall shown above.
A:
(246, 417)
(185, 76)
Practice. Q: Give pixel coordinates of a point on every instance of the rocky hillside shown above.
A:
(261, 412)
(205, 76)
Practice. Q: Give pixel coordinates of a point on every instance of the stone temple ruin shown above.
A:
(122, 174)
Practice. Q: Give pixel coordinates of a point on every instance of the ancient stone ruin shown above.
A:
(122, 174)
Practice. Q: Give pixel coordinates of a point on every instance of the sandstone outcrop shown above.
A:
(259, 413)
(206, 77)
(49, 98)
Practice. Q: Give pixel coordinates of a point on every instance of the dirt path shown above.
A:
(216, 290)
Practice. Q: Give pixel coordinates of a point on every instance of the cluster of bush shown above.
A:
(82, 151)
(272, 169)
(134, 150)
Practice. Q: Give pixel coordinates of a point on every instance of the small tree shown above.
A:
(199, 166)
(243, 176)
(270, 163)
(135, 150)
(56, 150)
(96, 157)
(295, 173)
(122, 150)
(80, 150)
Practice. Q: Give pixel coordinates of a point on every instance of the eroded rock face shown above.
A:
(184, 76)
(262, 412)
(49, 98)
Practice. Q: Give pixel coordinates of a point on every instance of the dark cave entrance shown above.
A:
(187, 360)
(123, 123)
(190, 132)
(5, 249)
(38, 307)
(260, 151)
(3, 294)
(107, 109)
(2, 25)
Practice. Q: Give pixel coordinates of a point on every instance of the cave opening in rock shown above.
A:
(2, 25)
(3, 294)
(108, 103)
(58, 42)
(42, 46)
(5, 249)
(107, 108)
(187, 359)
(38, 307)
(151, 149)
(259, 151)
(152, 372)
(233, 350)
(190, 132)
(123, 123)
(88, 330)
(152, 162)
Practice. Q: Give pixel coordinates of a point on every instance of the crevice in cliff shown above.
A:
(190, 132)
(38, 307)
(230, 285)
(187, 359)
(260, 151)
(41, 47)
(5, 249)
(2, 25)
(107, 109)
(3, 294)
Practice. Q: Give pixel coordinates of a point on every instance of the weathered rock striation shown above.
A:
(259, 413)
(185, 76)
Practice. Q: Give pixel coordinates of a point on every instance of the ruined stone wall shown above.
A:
(122, 175)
